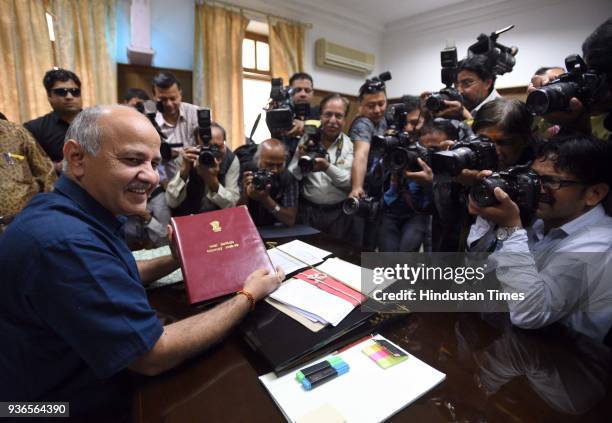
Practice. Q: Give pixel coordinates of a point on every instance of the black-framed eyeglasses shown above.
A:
(554, 183)
(63, 92)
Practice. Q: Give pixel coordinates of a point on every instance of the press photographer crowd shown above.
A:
(459, 169)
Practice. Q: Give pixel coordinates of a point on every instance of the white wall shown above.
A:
(172, 38)
(172, 33)
(546, 31)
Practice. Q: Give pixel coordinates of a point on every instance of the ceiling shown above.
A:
(378, 13)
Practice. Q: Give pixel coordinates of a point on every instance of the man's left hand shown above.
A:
(506, 213)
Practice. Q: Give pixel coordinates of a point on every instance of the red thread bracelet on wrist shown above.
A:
(249, 297)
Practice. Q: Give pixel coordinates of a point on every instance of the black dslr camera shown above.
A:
(500, 59)
(478, 153)
(520, 182)
(281, 111)
(587, 85)
(363, 207)
(264, 177)
(435, 102)
(313, 146)
(149, 109)
(208, 153)
(400, 151)
(375, 84)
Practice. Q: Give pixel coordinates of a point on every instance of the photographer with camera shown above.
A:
(270, 192)
(302, 88)
(562, 262)
(208, 179)
(580, 100)
(476, 84)
(503, 139)
(366, 172)
(177, 120)
(323, 163)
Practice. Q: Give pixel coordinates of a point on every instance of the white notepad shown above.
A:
(312, 302)
(367, 393)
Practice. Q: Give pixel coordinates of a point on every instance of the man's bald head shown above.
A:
(91, 126)
(271, 155)
(112, 152)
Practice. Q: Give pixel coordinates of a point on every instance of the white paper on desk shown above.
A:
(345, 272)
(307, 297)
(288, 264)
(366, 393)
(309, 254)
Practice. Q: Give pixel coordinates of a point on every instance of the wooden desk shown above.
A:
(495, 372)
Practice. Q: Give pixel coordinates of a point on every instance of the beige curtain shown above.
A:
(286, 49)
(25, 55)
(217, 73)
(85, 42)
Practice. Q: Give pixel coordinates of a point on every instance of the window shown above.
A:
(256, 83)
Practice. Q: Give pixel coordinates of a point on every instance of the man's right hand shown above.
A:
(261, 282)
(357, 193)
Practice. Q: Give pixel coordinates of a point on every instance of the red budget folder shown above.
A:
(217, 251)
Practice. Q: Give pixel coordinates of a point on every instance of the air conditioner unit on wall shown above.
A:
(331, 55)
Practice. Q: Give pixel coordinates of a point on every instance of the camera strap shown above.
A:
(339, 147)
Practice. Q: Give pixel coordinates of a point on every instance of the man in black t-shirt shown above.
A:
(64, 94)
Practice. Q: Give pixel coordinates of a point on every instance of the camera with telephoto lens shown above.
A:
(363, 207)
(435, 102)
(478, 153)
(281, 110)
(500, 59)
(312, 146)
(264, 177)
(520, 182)
(399, 150)
(587, 85)
(208, 153)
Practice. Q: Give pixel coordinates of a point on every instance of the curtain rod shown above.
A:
(259, 12)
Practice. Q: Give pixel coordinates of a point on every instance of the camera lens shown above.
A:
(400, 159)
(350, 206)
(452, 162)
(306, 163)
(207, 158)
(551, 98)
(435, 103)
(165, 150)
(483, 192)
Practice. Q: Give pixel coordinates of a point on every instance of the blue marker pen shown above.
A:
(325, 375)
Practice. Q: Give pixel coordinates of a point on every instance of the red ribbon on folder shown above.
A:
(332, 286)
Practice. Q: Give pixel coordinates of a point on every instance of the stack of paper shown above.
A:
(315, 304)
(367, 393)
(174, 277)
(296, 255)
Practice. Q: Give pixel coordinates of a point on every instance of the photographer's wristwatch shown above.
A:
(503, 232)
(275, 210)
